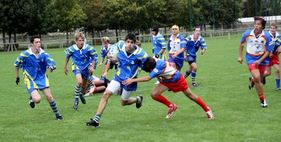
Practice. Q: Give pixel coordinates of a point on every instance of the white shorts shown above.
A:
(115, 87)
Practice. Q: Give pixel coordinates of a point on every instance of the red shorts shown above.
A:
(274, 60)
(261, 68)
(180, 85)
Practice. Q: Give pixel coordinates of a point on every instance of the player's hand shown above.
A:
(65, 70)
(157, 56)
(257, 62)
(52, 68)
(100, 64)
(202, 51)
(240, 60)
(127, 82)
(17, 80)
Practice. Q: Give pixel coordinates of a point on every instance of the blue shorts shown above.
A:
(40, 83)
(191, 59)
(84, 73)
(177, 61)
(131, 87)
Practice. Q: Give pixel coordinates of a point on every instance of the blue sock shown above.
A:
(53, 105)
(277, 83)
(97, 118)
(193, 76)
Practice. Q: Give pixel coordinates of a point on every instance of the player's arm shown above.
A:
(51, 65)
(240, 53)
(132, 80)
(106, 68)
(161, 40)
(17, 65)
(65, 65)
(17, 75)
(178, 52)
(203, 46)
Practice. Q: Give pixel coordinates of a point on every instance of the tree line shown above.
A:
(40, 17)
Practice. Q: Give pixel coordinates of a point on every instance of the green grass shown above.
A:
(223, 85)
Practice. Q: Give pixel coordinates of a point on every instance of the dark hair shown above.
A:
(149, 64)
(131, 37)
(155, 29)
(263, 22)
(33, 37)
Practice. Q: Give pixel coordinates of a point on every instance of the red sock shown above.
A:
(261, 97)
(200, 102)
(162, 100)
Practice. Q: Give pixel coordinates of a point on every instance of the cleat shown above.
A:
(264, 104)
(277, 89)
(82, 98)
(139, 101)
(31, 103)
(194, 84)
(76, 102)
(210, 114)
(157, 82)
(172, 109)
(187, 73)
(59, 117)
(93, 122)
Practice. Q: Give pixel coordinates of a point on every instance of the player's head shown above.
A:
(105, 41)
(154, 30)
(79, 39)
(130, 41)
(149, 64)
(197, 31)
(175, 29)
(273, 28)
(35, 42)
(138, 43)
(259, 23)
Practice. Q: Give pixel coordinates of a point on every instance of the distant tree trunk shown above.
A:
(4, 37)
(67, 38)
(116, 34)
(10, 37)
(93, 36)
(15, 37)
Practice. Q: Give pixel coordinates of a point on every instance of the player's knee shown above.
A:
(153, 95)
(79, 83)
(36, 99)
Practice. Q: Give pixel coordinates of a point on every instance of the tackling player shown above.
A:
(169, 78)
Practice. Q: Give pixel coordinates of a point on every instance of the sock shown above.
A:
(277, 83)
(78, 91)
(53, 105)
(97, 117)
(162, 100)
(200, 102)
(193, 76)
(261, 97)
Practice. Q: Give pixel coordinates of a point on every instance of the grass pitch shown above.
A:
(223, 86)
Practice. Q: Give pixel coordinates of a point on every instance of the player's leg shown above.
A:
(113, 87)
(126, 99)
(277, 76)
(32, 89)
(77, 90)
(200, 102)
(256, 74)
(193, 74)
(52, 102)
(157, 96)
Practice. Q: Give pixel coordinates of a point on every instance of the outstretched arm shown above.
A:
(132, 80)
(65, 65)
